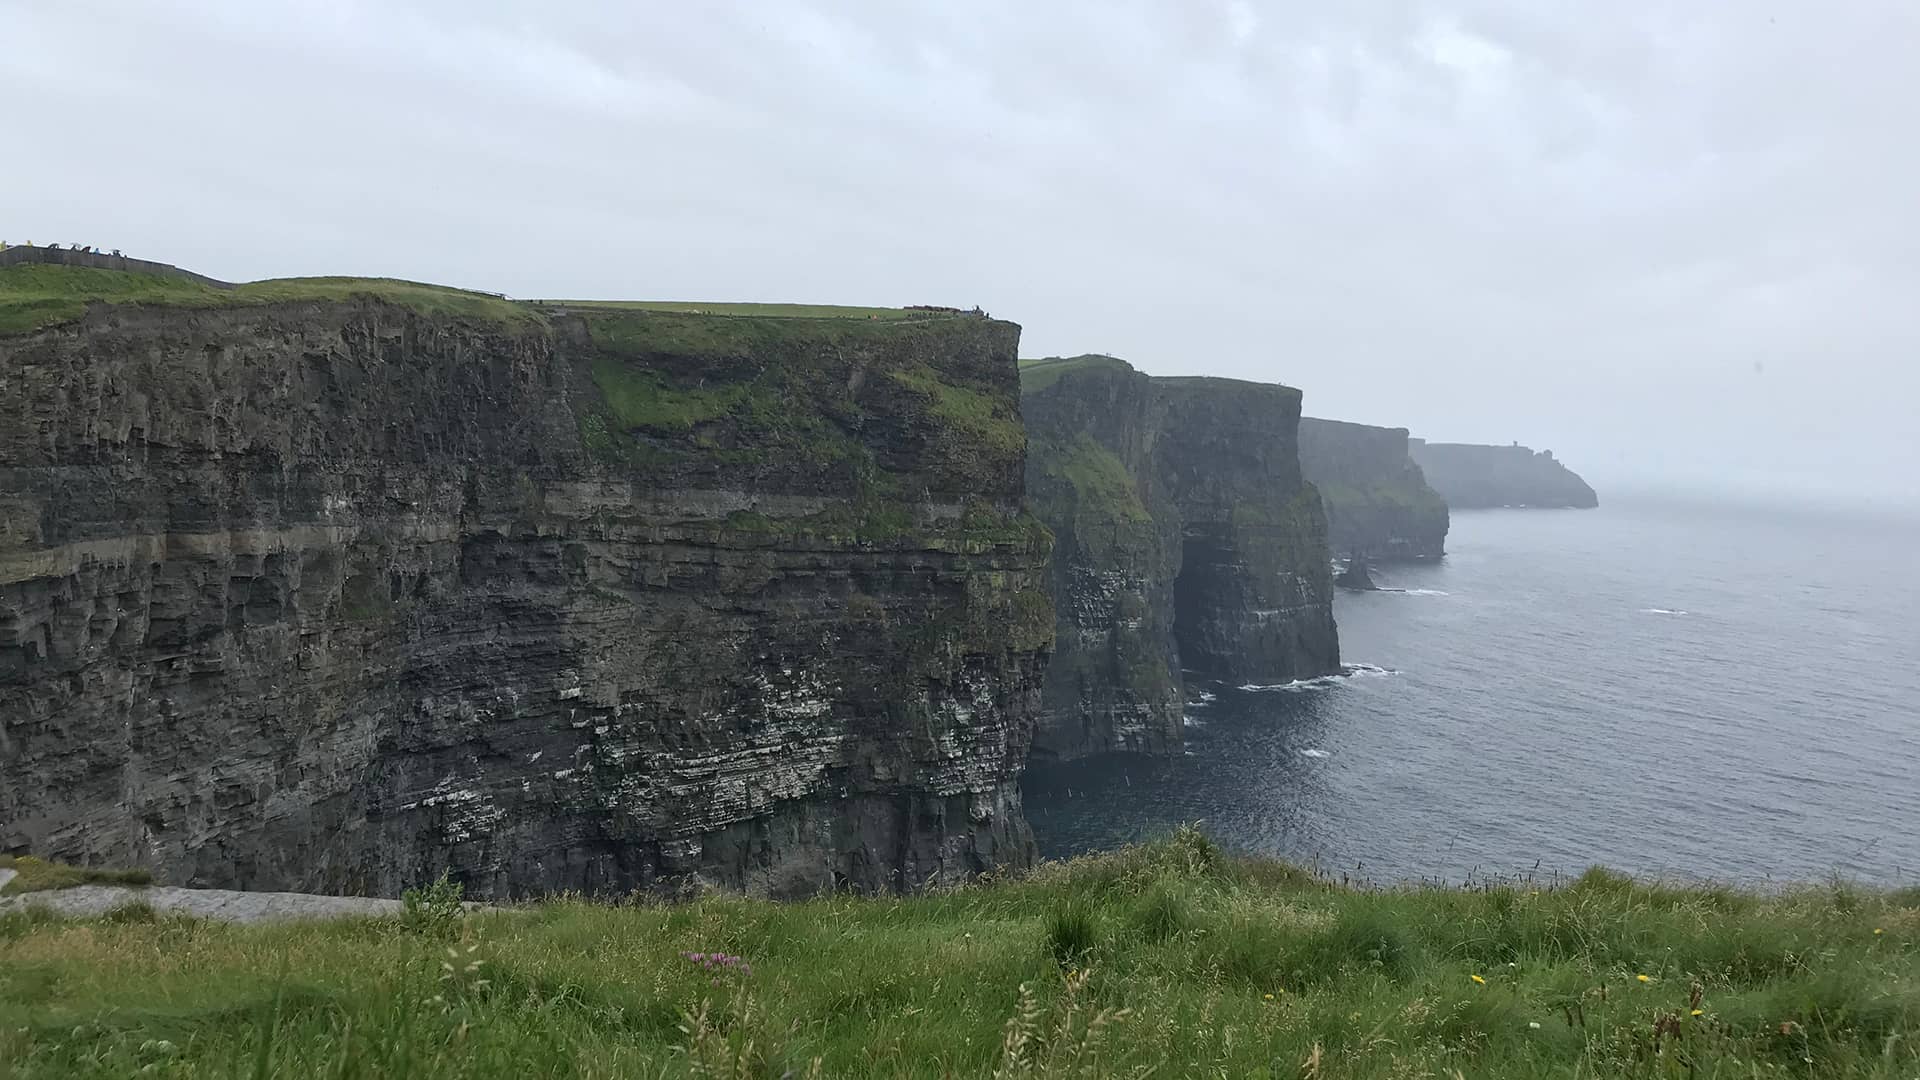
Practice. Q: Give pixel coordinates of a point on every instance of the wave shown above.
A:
(1662, 611)
(1347, 671)
(1192, 721)
(1203, 697)
(1420, 592)
(1315, 753)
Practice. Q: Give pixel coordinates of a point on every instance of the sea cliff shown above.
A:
(1186, 540)
(333, 586)
(1378, 503)
(1474, 477)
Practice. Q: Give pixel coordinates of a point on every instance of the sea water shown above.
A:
(1682, 690)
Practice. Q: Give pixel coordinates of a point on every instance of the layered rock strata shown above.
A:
(335, 596)
(1186, 540)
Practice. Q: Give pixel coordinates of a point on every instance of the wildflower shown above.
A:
(1478, 979)
(1698, 1012)
(1269, 997)
(1533, 1025)
(1644, 978)
(1878, 930)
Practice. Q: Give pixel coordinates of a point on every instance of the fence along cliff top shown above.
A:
(58, 256)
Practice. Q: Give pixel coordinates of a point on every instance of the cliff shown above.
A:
(330, 586)
(1185, 538)
(1378, 503)
(1473, 477)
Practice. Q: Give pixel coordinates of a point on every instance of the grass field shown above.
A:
(778, 311)
(1162, 960)
(38, 875)
(1036, 375)
(33, 296)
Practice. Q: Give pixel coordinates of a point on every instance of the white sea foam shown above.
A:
(1191, 720)
(1315, 753)
(1425, 592)
(1202, 697)
(1347, 671)
(1661, 611)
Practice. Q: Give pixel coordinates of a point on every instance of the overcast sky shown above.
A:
(1674, 242)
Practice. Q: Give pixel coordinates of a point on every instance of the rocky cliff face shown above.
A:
(1185, 539)
(1378, 503)
(1473, 477)
(335, 596)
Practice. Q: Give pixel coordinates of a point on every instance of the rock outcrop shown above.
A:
(332, 596)
(1379, 506)
(1474, 477)
(1185, 539)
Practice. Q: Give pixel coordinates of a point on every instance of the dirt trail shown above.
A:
(222, 904)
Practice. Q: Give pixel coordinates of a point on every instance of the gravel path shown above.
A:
(6, 876)
(222, 904)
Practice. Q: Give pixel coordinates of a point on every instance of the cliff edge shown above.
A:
(329, 585)
(1472, 477)
(1379, 505)
(1186, 539)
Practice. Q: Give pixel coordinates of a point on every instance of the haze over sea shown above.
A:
(1673, 689)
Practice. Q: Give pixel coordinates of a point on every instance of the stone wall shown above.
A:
(56, 256)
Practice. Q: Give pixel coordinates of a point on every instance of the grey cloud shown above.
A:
(1675, 243)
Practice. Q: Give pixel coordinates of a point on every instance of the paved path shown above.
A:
(222, 904)
(6, 875)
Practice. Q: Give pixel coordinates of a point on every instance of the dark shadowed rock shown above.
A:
(1356, 577)
(1185, 538)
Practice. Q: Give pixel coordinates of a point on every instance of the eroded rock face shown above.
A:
(332, 597)
(1379, 506)
(1185, 539)
(1472, 477)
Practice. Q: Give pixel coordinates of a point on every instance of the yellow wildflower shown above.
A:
(1644, 978)
(1698, 1012)
(1478, 979)
(1878, 930)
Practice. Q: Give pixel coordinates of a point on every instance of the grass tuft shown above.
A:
(34, 874)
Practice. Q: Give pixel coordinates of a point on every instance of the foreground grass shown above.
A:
(1163, 960)
(33, 296)
(38, 875)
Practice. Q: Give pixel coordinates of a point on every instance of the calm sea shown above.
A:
(1683, 691)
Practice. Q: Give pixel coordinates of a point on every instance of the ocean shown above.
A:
(1680, 691)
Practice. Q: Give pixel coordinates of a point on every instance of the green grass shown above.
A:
(1037, 375)
(774, 311)
(1162, 960)
(1102, 487)
(39, 875)
(989, 421)
(34, 296)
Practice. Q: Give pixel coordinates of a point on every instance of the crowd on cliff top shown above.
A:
(84, 249)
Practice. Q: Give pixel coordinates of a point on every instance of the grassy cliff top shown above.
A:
(33, 296)
(765, 311)
(1037, 375)
(1169, 959)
